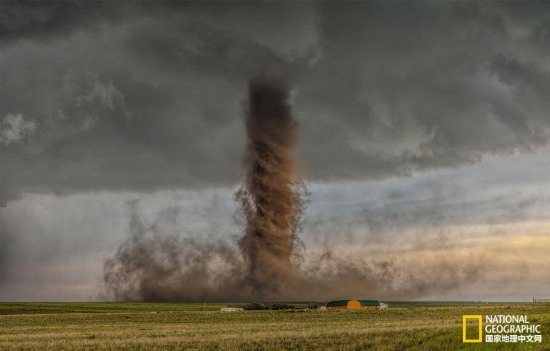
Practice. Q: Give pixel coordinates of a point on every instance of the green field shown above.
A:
(150, 326)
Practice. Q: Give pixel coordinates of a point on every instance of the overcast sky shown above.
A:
(424, 132)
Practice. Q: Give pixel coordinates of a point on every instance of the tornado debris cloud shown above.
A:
(271, 196)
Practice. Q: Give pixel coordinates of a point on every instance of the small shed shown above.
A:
(232, 309)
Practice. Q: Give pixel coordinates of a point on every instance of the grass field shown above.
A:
(150, 326)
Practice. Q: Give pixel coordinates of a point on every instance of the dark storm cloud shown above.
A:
(144, 95)
(419, 86)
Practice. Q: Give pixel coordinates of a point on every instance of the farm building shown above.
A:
(356, 305)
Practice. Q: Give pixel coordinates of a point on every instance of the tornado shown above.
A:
(155, 265)
(271, 196)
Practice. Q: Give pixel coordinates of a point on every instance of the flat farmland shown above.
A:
(151, 326)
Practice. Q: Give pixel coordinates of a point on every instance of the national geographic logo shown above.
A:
(500, 329)
(467, 321)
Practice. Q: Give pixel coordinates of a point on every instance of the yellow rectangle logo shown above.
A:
(465, 319)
